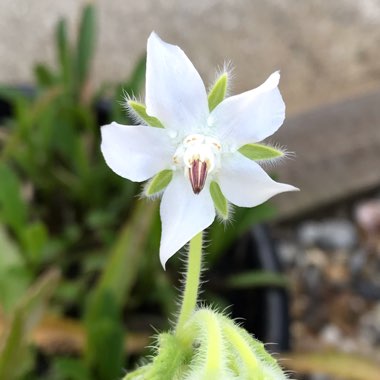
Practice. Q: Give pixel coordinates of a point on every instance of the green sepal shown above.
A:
(259, 152)
(220, 202)
(158, 182)
(140, 110)
(218, 91)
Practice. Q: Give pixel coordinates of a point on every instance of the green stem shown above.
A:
(192, 280)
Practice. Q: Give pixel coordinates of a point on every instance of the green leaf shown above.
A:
(13, 344)
(122, 267)
(219, 199)
(35, 237)
(158, 182)
(105, 335)
(13, 209)
(86, 43)
(44, 76)
(69, 368)
(140, 110)
(259, 152)
(257, 278)
(218, 91)
(14, 276)
(63, 51)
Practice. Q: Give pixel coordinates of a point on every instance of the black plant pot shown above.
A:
(264, 310)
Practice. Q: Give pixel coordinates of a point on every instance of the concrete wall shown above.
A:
(325, 50)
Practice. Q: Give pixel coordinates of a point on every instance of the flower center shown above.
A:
(198, 155)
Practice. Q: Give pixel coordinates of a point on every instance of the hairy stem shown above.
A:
(192, 280)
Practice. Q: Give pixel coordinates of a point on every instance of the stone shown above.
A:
(329, 234)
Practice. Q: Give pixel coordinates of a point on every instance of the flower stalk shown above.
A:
(192, 282)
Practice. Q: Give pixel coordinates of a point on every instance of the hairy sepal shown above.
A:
(220, 201)
(218, 91)
(158, 183)
(261, 152)
(140, 110)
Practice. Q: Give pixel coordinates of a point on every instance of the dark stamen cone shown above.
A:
(197, 175)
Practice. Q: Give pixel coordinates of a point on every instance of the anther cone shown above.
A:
(197, 175)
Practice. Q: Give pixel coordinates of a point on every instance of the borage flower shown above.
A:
(200, 150)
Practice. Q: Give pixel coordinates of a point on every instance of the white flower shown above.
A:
(200, 147)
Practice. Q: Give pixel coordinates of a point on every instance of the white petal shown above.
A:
(175, 93)
(251, 116)
(183, 215)
(245, 183)
(136, 152)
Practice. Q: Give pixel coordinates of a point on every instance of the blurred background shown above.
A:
(80, 279)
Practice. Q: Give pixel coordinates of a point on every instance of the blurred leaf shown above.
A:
(254, 279)
(123, 265)
(72, 149)
(70, 369)
(69, 292)
(13, 345)
(105, 336)
(335, 364)
(86, 44)
(12, 207)
(35, 237)
(10, 254)
(63, 52)
(44, 75)
(154, 285)
(28, 143)
(99, 218)
(14, 276)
